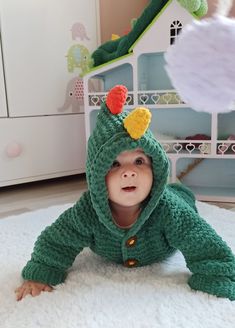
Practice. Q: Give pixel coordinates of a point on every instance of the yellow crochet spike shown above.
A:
(137, 122)
(115, 37)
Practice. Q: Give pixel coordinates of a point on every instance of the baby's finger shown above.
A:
(19, 294)
(18, 289)
(48, 289)
(26, 292)
(35, 292)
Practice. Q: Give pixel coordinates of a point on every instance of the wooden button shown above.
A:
(131, 241)
(130, 263)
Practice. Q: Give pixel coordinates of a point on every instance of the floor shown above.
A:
(23, 198)
(27, 197)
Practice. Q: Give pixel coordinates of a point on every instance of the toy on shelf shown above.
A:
(115, 36)
(119, 47)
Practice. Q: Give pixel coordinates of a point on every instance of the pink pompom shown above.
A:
(13, 149)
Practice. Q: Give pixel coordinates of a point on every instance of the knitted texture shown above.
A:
(168, 220)
(137, 122)
(116, 99)
(201, 64)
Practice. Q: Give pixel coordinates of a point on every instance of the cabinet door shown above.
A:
(37, 38)
(36, 148)
(3, 107)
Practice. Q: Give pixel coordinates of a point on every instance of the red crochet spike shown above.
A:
(116, 99)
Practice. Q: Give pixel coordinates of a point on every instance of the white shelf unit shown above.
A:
(208, 161)
(180, 148)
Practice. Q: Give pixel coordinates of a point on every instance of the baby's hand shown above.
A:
(31, 288)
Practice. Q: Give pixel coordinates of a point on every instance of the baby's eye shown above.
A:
(115, 164)
(139, 161)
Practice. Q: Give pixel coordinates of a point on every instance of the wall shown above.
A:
(115, 16)
(218, 6)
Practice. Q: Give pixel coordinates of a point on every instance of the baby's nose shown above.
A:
(129, 174)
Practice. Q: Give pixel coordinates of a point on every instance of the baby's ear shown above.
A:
(116, 99)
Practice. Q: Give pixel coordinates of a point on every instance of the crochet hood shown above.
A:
(116, 131)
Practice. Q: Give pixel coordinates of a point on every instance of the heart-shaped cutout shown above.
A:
(166, 147)
(103, 98)
(167, 98)
(144, 99)
(95, 100)
(222, 148)
(177, 99)
(233, 148)
(155, 98)
(204, 148)
(128, 100)
(177, 147)
(190, 147)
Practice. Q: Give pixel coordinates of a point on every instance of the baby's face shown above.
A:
(130, 178)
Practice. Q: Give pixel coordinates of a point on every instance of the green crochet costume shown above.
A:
(120, 47)
(168, 220)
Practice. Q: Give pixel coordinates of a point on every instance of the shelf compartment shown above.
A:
(179, 124)
(217, 194)
(226, 125)
(209, 178)
(151, 72)
(106, 80)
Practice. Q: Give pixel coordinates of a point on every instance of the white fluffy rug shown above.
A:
(101, 294)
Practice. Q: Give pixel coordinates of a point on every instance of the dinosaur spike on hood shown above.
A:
(116, 99)
(137, 122)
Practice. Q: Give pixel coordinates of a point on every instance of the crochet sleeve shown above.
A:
(207, 256)
(58, 245)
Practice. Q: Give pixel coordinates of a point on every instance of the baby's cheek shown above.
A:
(111, 180)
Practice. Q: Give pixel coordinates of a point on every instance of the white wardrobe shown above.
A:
(42, 133)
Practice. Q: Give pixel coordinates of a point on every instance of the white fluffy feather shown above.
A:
(201, 64)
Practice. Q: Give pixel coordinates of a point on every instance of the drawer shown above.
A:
(36, 148)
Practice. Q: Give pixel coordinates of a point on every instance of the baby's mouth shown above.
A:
(129, 189)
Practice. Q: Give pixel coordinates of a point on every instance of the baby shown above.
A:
(130, 215)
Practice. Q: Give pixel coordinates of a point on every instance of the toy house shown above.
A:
(200, 146)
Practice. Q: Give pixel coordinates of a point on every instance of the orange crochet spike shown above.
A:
(116, 99)
(137, 122)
